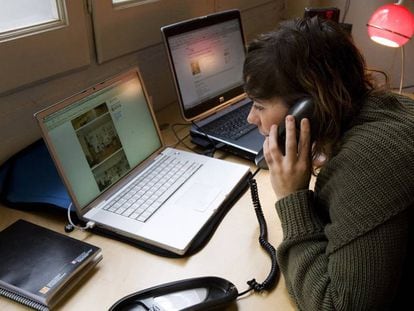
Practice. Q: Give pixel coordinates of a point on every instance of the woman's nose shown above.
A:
(252, 117)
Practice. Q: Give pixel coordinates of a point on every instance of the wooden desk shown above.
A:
(232, 253)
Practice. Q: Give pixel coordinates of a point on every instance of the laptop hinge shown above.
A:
(228, 103)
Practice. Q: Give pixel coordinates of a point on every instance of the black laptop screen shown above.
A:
(206, 55)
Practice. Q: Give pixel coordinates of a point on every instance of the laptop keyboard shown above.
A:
(148, 192)
(232, 125)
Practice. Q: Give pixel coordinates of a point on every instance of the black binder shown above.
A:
(39, 266)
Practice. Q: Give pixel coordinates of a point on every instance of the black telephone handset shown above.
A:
(301, 109)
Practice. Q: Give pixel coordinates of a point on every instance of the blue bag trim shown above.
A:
(30, 179)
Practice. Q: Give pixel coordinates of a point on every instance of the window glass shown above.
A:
(19, 17)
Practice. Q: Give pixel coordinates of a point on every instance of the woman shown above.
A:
(347, 244)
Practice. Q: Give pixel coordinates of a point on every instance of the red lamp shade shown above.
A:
(391, 25)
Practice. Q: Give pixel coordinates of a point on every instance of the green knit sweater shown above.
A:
(346, 244)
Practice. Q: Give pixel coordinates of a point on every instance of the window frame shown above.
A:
(130, 3)
(20, 32)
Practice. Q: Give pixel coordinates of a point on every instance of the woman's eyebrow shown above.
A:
(258, 106)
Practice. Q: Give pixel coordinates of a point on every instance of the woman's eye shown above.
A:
(259, 108)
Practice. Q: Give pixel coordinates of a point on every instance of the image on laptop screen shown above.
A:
(99, 139)
(207, 58)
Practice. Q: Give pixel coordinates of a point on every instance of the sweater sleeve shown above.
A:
(356, 276)
(344, 245)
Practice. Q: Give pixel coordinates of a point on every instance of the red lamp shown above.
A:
(391, 25)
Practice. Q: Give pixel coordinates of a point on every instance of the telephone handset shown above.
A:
(301, 109)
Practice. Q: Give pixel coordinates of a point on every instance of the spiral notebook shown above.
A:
(39, 266)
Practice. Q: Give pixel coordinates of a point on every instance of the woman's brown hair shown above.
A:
(314, 58)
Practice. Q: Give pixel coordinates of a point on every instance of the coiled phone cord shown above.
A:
(270, 281)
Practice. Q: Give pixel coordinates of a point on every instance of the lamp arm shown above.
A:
(402, 69)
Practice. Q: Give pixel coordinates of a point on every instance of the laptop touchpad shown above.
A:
(198, 197)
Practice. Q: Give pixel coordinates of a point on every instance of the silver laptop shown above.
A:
(109, 152)
(206, 57)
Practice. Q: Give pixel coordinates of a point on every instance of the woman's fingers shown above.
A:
(272, 150)
(304, 147)
(291, 172)
(294, 149)
(291, 142)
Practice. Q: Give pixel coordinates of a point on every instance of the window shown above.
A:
(64, 47)
(23, 17)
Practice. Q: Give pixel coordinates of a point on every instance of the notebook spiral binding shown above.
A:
(23, 300)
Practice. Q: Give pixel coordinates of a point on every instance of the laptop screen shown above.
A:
(100, 137)
(206, 55)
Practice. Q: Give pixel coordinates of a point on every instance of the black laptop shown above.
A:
(206, 56)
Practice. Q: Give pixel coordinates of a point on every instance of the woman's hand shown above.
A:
(292, 172)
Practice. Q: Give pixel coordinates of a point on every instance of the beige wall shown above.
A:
(295, 8)
(17, 126)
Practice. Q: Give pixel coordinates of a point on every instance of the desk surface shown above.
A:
(232, 253)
